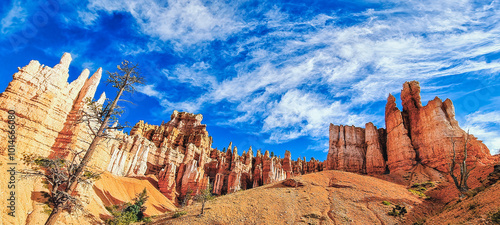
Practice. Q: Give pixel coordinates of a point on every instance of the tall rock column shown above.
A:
(400, 152)
(375, 163)
(432, 128)
(287, 164)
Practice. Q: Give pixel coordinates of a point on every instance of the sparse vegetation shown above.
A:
(386, 203)
(475, 191)
(472, 206)
(495, 217)
(179, 214)
(186, 198)
(426, 184)
(419, 222)
(204, 196)
(46, 209)
(129, 213)
(419, 193)
(397, 211)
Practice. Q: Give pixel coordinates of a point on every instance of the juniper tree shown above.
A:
(204, 196)
(100, 117)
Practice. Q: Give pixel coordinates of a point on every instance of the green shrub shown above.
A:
(419, 193)
(47, 210)
(495, 217)
(419, 222)
(147, 219)
(386, 203)
(473, 205)
(129, 213)
(179, 214)
(397, 210)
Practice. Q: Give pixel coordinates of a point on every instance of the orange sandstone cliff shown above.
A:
(177, 153)
(417, 135)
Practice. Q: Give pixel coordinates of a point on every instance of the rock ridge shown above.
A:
(416, 134)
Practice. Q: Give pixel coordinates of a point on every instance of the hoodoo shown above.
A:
(417, 135)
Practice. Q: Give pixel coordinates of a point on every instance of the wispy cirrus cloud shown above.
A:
(195, 75)
(183, 23)
(482, 125)
(292, 74)
(298, 74)
(14, 19)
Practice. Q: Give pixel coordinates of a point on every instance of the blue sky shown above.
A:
(272, 74)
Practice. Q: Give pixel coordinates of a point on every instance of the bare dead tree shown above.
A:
(55, 173)
(461, 180)
(100, 118)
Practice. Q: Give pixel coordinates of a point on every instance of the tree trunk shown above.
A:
(53, 216)
(93, 145)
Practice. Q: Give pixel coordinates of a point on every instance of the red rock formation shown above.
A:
(375, 163)
(178, 152)
(431, 128)
(287, 164)
(166, 182)
(400, 152)
(355, 149)
(417, 135)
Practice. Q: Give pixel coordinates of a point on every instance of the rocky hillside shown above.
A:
(327, 197)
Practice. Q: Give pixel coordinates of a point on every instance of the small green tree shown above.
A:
(204, 196)
(129, 212)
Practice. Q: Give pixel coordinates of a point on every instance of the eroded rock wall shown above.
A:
(179, 153)
(46, 108)
(416, 135)
(355, 149)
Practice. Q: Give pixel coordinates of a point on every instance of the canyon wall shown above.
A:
(416, 135)
(356, 149)
(45, 106)
(178, 153)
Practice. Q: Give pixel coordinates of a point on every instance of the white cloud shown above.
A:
(195, 75)
(304, 73)
(483, 125)
(299, 113)
(149, 90)
(14, 18)
(190, 106)
(89, 65)
(183, 22)
(87, 18)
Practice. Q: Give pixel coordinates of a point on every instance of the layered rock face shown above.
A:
(45, 106)
(416, 135)
(355, 149)
(179, 153)
(433, 128)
